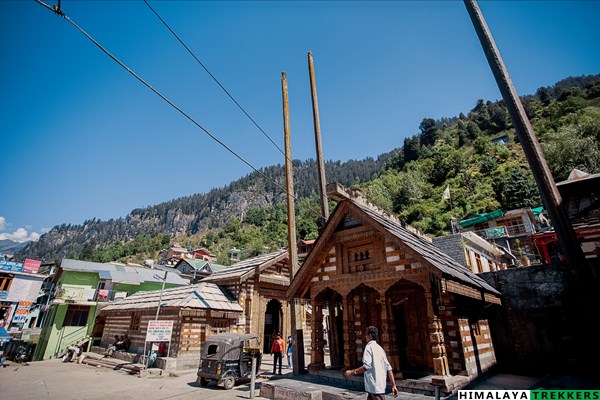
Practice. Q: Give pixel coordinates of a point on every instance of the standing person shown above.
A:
(162, 349)
(277, 350)
(375, 366)
(289, 351)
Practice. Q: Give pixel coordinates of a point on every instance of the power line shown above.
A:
(217, 81)
(58, 11)
(212, 76)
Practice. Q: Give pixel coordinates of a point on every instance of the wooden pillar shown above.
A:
(438, 348)
(317, 354)
(436, 337)
(384, 326)
(317, 125)
(349, 336)
(533, 152)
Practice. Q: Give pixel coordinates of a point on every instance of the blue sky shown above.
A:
(81, 138)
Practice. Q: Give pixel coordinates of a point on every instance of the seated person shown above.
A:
(125, 343)
(113, 347)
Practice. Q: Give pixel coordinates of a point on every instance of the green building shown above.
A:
(82, 289)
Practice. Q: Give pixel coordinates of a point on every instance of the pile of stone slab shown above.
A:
(98, 360)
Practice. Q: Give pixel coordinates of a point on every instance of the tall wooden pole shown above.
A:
(296, 326)
(317, 124)
(548, 190)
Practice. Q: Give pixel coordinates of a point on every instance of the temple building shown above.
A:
(368, 268)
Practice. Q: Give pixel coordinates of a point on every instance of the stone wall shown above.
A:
(477, 346)
(543, 324)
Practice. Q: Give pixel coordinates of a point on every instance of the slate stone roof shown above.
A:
(243, 269)
(449, 268)
(199, 296)
(428, 250)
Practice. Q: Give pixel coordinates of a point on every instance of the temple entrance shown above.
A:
(401, 333)
(409, 348)
(333, 328)
(366, 307)
(273, 317)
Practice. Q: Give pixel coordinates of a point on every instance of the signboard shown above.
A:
(10, 266)
(3, 294)
(21, 312)
(492, 233)
(159, 331)
(31, 266)
(19, 319)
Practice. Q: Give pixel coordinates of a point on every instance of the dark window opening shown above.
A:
(76, 316)
(135, 322)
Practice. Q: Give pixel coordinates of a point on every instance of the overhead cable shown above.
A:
(59, 12)
(212, 76)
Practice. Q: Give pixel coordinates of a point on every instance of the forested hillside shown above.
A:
(143, 232)
(476, 155)
(465, 155)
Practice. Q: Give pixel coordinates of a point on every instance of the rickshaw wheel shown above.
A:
(204, 381)
(229, 383)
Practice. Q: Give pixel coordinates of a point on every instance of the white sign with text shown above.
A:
(159, 331)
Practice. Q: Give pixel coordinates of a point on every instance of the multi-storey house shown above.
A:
(81, 290)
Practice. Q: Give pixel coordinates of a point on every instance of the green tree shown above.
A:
(515, 188)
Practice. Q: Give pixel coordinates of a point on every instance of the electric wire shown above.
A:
(59, 12)
(222, 87)
(212, 76)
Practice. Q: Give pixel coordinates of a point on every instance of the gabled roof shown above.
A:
(195, 264)
(202, 295)
(120, 273)
(386, 223)
(246, 268)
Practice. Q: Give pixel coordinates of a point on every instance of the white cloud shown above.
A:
(20, 235)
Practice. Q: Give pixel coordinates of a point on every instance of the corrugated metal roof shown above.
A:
(196, 264)
(480, 218)
(202, 295)
(121, 273)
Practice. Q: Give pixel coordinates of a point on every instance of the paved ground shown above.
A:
(54, 380)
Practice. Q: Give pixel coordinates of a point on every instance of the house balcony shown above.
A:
(72, 294)
(505, 231)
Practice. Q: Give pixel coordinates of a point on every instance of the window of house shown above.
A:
(479, 263)
(5, 282)
(475, 326)
(135, 322)
(360, 258)
(76, 315)
(514, 225)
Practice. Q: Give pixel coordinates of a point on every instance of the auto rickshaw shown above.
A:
(227, 359)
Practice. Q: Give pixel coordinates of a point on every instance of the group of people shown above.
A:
(120, 344)
(277, 348)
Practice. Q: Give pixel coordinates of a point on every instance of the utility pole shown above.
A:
(317, 123)
(297, 355)
(550, 196)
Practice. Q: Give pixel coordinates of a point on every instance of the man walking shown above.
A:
(375, 367)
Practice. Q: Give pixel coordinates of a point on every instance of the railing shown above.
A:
(74, 293)
(503, 231)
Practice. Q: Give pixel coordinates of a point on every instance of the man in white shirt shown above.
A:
(375, 366)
